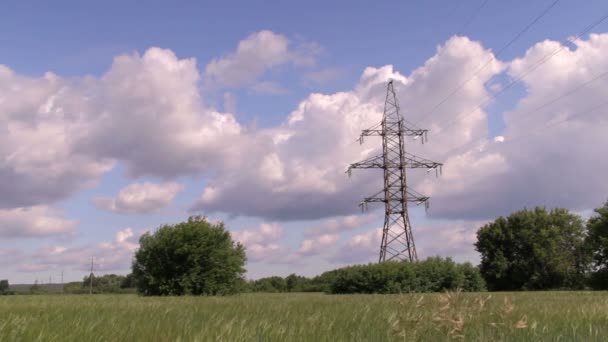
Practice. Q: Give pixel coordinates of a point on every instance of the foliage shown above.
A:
(5, 288)
(37, 289)
(597, 245)
(128, 282)
(75, 287)
(194, 257)
(107, 283)
(533, 249)
(268, 284)
(431, 275)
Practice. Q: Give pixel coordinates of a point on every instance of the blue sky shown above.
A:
(296, 212)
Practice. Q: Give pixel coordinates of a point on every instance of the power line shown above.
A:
(528, 114)
(565, 119)
(492, 58)
(472, 17)
(526, 72)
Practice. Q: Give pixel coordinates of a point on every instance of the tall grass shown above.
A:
(526, 316)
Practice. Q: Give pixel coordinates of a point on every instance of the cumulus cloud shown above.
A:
(148, 113)
(115, 255)
(261, 243)
(338, 225)
(552, 150)
(39, 119)
(435, 238)
(266, 233)
(37, 221)
(298, 167)
(259, 52)
(140, 198)
(58, 135)
(318, 245)
(360, 248)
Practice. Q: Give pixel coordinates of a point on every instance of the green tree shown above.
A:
(128, 282)
(269, 284)
(597, 244)
(4, 286)
(194, 257)
(295, 283)
(107, 283)
(533, 249)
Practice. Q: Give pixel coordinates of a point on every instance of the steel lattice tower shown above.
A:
(397, 238)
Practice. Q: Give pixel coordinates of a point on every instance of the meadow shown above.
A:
(523, 316)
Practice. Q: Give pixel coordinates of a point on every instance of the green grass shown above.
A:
(526, 316)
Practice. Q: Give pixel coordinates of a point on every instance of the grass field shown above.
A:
(527, 316)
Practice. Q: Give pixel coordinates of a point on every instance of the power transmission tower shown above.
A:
(91, 278)
(397, 238)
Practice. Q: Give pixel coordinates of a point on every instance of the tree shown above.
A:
(533, 249)
(194, 257)
(128, 282)
(107, 283)
(597, 245)
(295, 283)
(4, 287)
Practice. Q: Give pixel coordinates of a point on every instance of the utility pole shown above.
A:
(397, 238)
(91, 278)
(62, 289)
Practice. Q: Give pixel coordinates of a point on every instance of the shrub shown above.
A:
(431, 275)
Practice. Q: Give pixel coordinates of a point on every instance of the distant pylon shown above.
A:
(91, 277)
(397, 238)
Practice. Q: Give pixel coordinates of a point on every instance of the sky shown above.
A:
(119, 117)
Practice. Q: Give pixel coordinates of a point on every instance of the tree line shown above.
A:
(531, 249)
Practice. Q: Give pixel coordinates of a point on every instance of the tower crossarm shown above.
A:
(375, 162)
(415, 162)
(394, 128)
(410, 161)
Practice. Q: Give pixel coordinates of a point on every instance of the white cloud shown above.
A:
(435, 238)
(338, 225)
(269, 253)
(266, 233)
(148, 113)
(260, 243)
(141, 198)
(115, 255)
(301, 175)
(360, 248)
(37, 221)
(39, 118)
(552, 155)
(255, 55)
(59, 135)
(318, 245)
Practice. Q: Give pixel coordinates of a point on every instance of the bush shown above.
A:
(431, 275)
